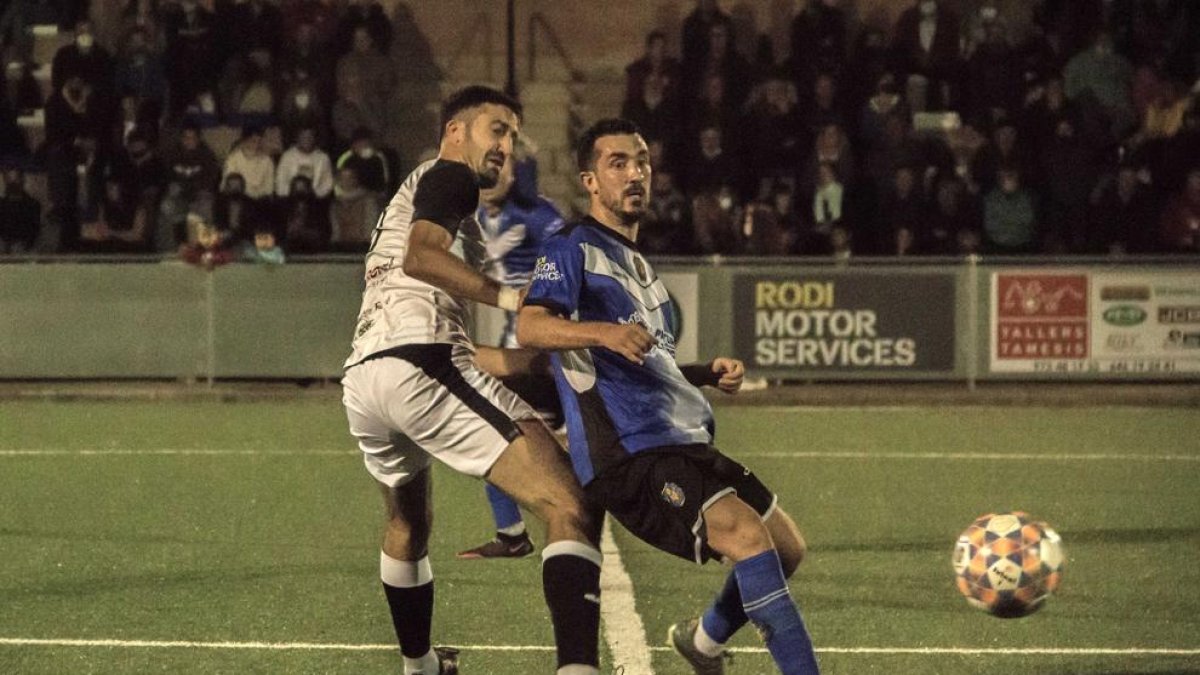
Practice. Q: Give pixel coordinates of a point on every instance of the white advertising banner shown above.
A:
(1047, 321)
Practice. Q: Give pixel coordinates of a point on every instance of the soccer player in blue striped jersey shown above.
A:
(640, 432)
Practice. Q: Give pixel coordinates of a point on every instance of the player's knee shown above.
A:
(735, 530)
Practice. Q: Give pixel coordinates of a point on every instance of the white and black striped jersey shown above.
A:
(396, 308)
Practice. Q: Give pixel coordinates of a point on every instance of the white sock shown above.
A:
(705, 644)
(426, 665)
(513, 530)
(578, 669)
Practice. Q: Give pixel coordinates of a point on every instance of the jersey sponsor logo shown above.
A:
(546, 270)
(673, 494)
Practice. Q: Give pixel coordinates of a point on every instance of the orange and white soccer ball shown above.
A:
(1007, 564)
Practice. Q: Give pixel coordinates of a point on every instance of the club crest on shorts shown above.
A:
(673, 495)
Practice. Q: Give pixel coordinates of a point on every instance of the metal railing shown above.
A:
(538, 20)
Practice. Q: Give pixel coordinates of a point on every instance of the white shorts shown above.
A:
(415, 402)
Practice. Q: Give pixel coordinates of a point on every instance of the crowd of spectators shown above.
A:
(958, 130)
(301, 90)
(953, 133)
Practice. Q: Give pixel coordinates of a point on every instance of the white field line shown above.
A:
(623, 628)
(848, 454)
(323, 646)
(1022, 456)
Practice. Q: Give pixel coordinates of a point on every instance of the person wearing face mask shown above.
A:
(370, 164)
(84, 59)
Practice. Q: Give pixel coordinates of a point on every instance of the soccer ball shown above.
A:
(1007, 564)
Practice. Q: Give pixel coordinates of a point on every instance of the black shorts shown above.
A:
(660, 495)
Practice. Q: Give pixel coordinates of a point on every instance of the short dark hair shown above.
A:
(473, 96)
(585, 153)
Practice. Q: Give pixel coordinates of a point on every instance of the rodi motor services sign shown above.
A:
(1109, 322)
(842, 321)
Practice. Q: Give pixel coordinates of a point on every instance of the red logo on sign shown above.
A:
(1042, 316)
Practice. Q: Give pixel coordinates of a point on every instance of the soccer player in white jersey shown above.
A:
(413, 392)
(639, 430)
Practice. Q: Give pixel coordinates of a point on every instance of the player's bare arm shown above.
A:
(429, 259)
(540, 328)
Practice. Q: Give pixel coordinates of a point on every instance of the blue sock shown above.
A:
(504, 510)
(769, 606)
(725, 616)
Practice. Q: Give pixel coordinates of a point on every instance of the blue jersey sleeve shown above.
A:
(557, 277)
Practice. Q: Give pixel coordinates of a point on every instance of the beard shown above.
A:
(628, 209)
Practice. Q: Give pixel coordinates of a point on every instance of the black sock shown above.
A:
(571, 583)
(412, 616)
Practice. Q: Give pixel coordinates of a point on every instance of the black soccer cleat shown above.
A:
(447, 660)
(503, 546)
(681, 636)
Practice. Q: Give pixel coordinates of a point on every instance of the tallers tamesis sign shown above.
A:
(842, 321)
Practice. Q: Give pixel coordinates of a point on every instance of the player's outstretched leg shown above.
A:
(512, 540)
(759, 581)
(408, 579)
(535, 471)
(702, 641)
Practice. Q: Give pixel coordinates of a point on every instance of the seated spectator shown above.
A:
(307, 160)
(717, 221)
(192, 174)
(371, 167)
(828, 209)
(994, 78)
(246, 89)
(353, 112)
(953, 211)
(319, 13)
(263, 249)
(1104, 77)
(141, 72)
(1005, 149)
(192, 53)
(13, 145)
(883, 105)
(20, 215)
(870, 61)
(713, 107)
(823, 107)
(818, 35)
(653, 110)
(1179, 227)
(354, 211)
(654, 63)
(305, 218)
(902, 208)
(665, 227)
(207, 246)
(234, 213)
(927, 49)
(697, 29)
(1124, 218)
(711, 167)
(841, 243)
(305, 60)
(830, 146)
(116, 223)
(775, 140)
(257, 24)
(367, 14)
(84, 59)
(1164, 116)
(722, 60)
(252, 164)
(770, 225)
(372, 68)
(1071, 172)
(303, 108)
(1010, 216)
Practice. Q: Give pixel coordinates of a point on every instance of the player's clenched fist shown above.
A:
(629, 340)
(732, 372)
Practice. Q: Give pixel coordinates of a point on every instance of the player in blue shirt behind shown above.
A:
(515, 221)
(639, 429)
